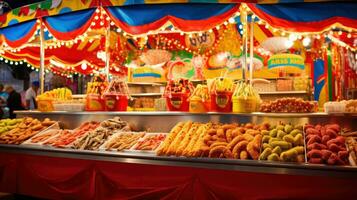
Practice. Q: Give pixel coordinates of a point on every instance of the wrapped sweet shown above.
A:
(177, 93)
(117, 95)
(95, 90)
(200, 99)
(221, 89)
(245, 98)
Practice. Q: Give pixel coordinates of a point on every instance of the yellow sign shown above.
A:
(286, 60)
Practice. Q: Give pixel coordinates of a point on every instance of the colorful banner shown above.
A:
(19, 34)
(311, 17)
(67, 27)
(320, 82)
(195, 17)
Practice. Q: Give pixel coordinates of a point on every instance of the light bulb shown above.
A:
(231, 20)
(306, 41)
(84, 66)
(289, 44)
(292, 37)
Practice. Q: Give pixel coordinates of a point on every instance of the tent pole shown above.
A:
(42, 59)
(107, 53)
(251, 48)
(245, 40)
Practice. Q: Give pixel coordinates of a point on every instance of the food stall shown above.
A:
(209, 132)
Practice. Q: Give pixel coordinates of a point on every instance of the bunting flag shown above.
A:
(19, 34)
(69, 26)
(140, 19)
(30, 9)
(307, 17)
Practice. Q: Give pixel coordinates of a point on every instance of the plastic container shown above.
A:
(115, 102)
(45, 105)
(178, 102)
(244, 105)
(198, 106)
(221, 101)
(334, 107)
(95, 102)
(160, 104)
(284, 85)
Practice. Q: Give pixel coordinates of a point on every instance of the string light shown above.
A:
(306, 41)
(292, 37)
(231, 20)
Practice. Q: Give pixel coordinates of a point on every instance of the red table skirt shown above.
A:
(66, 178)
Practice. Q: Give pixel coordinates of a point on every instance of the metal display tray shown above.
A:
(164, 121)
(210, 163)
